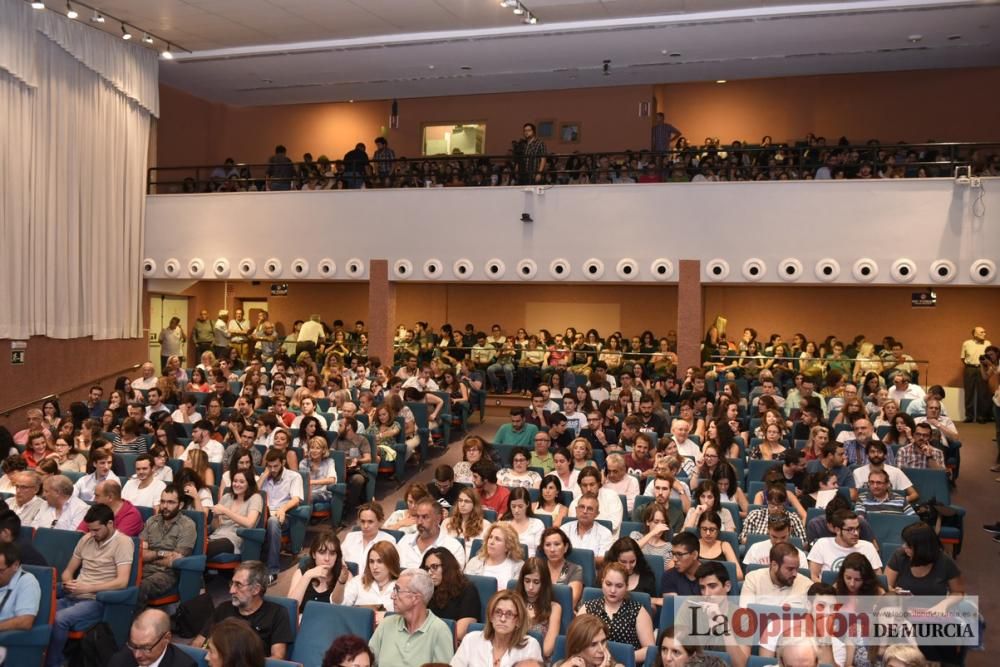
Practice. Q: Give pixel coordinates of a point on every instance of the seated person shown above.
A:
(827, 552)
(284, 492)
(757, 520)
(167, 536)
(149, 637)
(19, 590)
(100, 466)
(128, 520)
(517, 432)
(143, 489)
(10, 532)
(878, 497)
(62, 509)
(269, 620)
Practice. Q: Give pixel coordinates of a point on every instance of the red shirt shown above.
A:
(498, 501)
(127, 520)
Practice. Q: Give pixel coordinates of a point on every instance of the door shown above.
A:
(161, 309)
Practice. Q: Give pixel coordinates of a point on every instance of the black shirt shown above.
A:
(446, 500)
(464, 605)
(270, 622)
(656, 423)
(675, 582)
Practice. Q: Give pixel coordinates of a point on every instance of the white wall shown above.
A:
(808, 222)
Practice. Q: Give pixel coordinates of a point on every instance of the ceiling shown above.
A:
(255, 52)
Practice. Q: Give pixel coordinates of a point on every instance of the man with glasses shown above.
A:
(268, 620)
(921, 453)
(681, 579)
(149, 644)
(619, 481)
(413, 635)
(829, 552)
(595, 433)
(62, 510)
(876, 454)
(585, 532)
(541, 457)
(19, 591)
(589, 481)
(879, 497)
(26, 503)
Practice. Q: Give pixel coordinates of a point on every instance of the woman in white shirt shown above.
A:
(519, 516)
(161, 470)
(242, 462)
(357, 543)
(518, 475)
(374, 587)
(321, 470)
(467, 523)
(405, 519)
(564, 470)
(550, 500)
(500, 557)
(504, 640)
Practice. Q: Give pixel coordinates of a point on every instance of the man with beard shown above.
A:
(413, 546)
(781, 582)
(166, 537)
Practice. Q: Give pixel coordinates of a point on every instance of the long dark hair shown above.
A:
(869, 582)
(453, 581)
(185, 475)
(624, 545)
(519, 493)
(324, 538)
(543, 605)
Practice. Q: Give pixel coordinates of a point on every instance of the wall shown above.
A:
(933, 334)
(194, 131)
(924, 220)
(944, 105)
(57, 366)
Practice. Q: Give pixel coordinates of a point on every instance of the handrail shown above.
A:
(9, 411)
(798, 156)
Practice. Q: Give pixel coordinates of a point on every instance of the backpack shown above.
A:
(95, 649)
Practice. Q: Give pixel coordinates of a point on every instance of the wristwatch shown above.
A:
(159, 554)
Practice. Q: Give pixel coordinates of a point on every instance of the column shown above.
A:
(690, 315)
(381, 311)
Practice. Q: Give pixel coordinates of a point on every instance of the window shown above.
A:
(455, 139)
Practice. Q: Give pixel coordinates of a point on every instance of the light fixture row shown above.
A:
(527, 17)
(98, 17)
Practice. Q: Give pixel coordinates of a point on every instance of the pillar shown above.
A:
(381, 311)
(690, 315)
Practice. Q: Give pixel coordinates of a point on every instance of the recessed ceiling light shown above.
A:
(954, 37)
(430, 67)
(915, 38)
(720, 80)
(350, 101)
(465, 67)
(675, 55)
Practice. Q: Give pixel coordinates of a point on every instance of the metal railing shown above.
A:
(7, 412)
(712, 162)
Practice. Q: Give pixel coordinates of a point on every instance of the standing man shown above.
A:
(355, 166)
(384, 157)
(172, 340)
(221, 336)
(357, 452)
(239, 332)
(201, 334)
(309, 337)
(976, 396)
(533, 158)
(280, 170)
(663, 134)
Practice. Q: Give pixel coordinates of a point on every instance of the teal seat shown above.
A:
(486, 587)
(585, 559)
(562, 594)
(932, 485)
(321, 621)
(888, 527)
(190, 569)
(28, 647)
(623, 654)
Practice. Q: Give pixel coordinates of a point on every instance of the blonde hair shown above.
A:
(589, 447)
(512, 544)
(198, 461)
(909, 656)
(519, 636)
(581, 632)
(318, 440)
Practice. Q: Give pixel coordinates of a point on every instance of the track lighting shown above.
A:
(70, 12)
(166, 54)
(508, 3)
(518, 9)
(146, 38)
(97, 17)
(126, 35)
(530, 19)
(38, 4)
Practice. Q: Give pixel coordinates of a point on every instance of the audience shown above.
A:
(413, 635)
(167, 536)
(149, 644)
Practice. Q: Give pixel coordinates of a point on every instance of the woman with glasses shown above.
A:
(323, 576)
(711, 547)
(467, 522)
(518, 474)
(67, 458)
(455, 597)
(627, 620)
(504, 638)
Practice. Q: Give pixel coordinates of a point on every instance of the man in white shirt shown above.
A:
(143, 489)
(585, 532)
(308, 406)
(422, 381)
(619, 481)
(26, 503)
(781, 582)
(680, 429)
(62, 509)
(86, 486)
(943, 424)
(829, 552)
(575, 419)
(155, 403)
(201, 438)
(589, 481)
(309, 335)
(876, 453)
(413, 546)
(284, 491)
(147, 380)
(186, 412)
(779, 531)
(903, 389)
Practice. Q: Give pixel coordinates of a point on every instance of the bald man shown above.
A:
(128, 520)
(149, 644)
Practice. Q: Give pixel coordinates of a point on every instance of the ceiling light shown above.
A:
(530, 19)
(97, 17)
(518, 9)
(146, 38)
(720, 80)
(166, 54)
(915, 38)
(126, 35)
(38, 4)
(508, 3)
(70, 12)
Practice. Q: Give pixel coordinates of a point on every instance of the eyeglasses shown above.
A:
(854, 529)
(433, 567)
(681, 554)
(397, 591)
(504, 614)
(147, 648)
(238, 584)
(708, 529)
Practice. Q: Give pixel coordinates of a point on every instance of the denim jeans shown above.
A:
(71, 614)
(508, 374)
(275, 529)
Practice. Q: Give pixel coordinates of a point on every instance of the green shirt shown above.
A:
(393, 645)
(548, 464)
(506, 435)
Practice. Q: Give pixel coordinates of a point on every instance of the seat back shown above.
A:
(292, 608)
(486, 587)
(756, 469)
(321, 621)
(888, 527)
(585, 559)
(57, 545)
(930, 484)
(199, 655)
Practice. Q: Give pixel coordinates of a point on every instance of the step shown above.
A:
(500, 401)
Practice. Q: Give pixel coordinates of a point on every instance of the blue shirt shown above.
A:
(844, 474)
(25, 596)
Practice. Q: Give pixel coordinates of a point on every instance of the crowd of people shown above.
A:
(617, 456)
(671, 158)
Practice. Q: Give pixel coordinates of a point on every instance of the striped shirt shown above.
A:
(893, 504)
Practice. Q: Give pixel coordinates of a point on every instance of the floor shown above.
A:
(976, 491)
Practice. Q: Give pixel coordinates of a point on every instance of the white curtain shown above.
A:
(76, 106)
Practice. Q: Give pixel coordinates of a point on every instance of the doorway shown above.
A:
(161, 309)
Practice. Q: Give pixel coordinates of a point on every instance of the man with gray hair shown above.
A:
(149, 644)
(413, 635)
(268, 620)
(62, 510)
(26, 503)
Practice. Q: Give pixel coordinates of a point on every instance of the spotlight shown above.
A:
(97, 17)
(146, 38)
(518, 9)
(126, 35)
(38, 5)
(526, 217)
(508, 3)
(530, 19)
(166, 54)
(70, 12)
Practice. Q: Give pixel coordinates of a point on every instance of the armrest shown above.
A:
(303, 512)
(190, 563)
(126, 596)
(36, 636)
(253, 542)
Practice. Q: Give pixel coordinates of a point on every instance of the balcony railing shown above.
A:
(694, 163)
